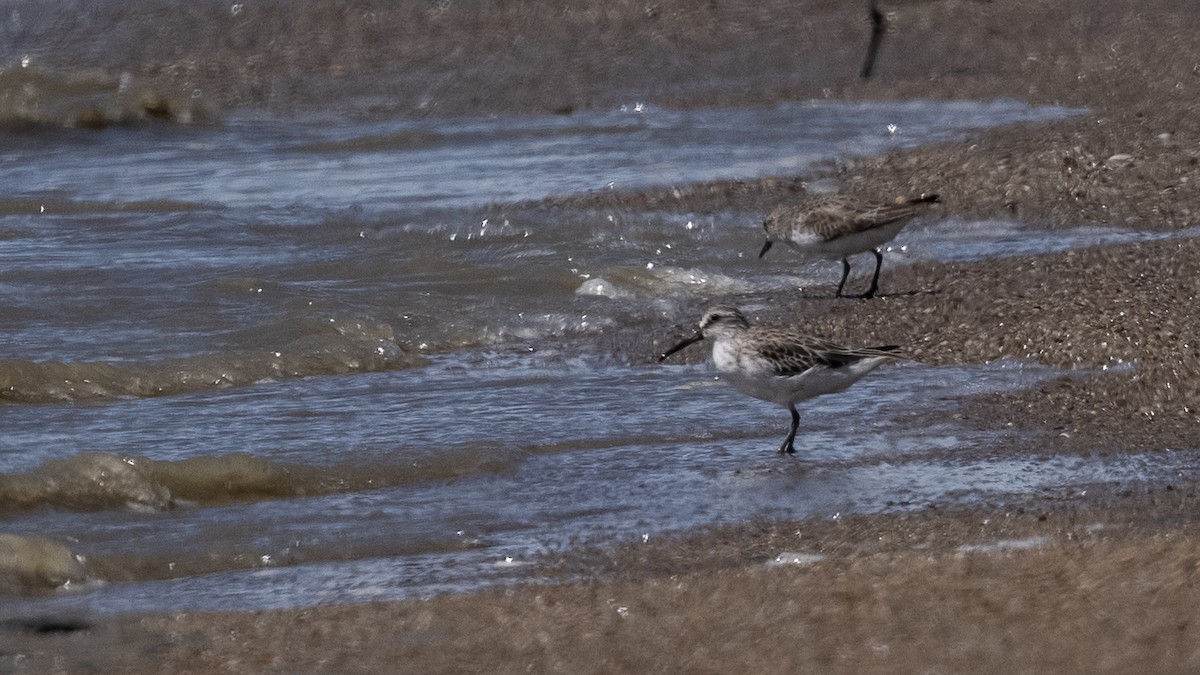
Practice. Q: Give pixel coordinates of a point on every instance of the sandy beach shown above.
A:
(1088, 579)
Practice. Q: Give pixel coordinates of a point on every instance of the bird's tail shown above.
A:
(892, 351)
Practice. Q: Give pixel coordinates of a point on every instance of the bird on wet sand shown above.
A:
(835, 227)
(781, 365)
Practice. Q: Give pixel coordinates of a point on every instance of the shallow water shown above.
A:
(537, 457)
(275, 363)
(958, 240)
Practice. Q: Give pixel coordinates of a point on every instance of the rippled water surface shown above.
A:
(275, 363)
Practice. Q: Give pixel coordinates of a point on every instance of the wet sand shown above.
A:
(1094, 578)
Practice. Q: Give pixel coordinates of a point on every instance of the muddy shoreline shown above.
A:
(1106, 578)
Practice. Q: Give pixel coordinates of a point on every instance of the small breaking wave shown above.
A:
(37, 565)
(99, 481)
(32, 98)
(24, 381)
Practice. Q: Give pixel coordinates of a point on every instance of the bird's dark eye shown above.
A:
(766, 225)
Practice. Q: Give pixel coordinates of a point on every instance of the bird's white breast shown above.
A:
(811, 244)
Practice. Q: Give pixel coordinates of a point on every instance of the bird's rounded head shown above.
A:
(722, 320)
(718, 322)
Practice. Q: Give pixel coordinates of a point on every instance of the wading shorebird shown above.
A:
(781, 365)
(835, 227)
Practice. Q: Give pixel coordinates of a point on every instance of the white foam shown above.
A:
(656, 282)
(793, 558)
(1005, 545)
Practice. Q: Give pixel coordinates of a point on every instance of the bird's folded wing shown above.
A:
(789, 356)
(883, 214)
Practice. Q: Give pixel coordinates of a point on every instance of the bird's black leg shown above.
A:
(878, 28)
(875, 279)
(845, 273)
(787, 448)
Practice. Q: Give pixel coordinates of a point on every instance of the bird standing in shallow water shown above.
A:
(836, 227)
(780, 365)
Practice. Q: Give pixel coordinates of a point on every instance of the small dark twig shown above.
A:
(878, 28)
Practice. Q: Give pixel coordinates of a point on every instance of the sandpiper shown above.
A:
(836, 227)
(780, 365)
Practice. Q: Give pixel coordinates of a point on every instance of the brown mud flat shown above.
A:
(1102, 579)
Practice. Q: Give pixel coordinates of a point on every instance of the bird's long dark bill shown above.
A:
(766, 247)
(695, 338)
